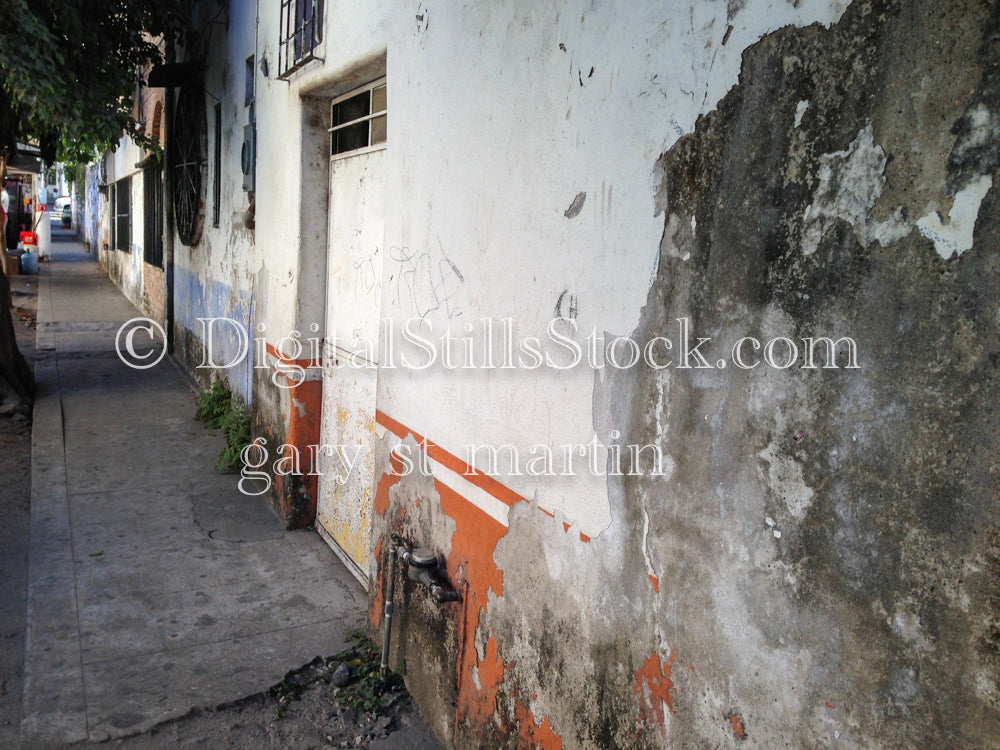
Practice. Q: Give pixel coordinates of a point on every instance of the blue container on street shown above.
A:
(29, 263)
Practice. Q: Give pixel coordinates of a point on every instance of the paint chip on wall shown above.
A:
(576, 206)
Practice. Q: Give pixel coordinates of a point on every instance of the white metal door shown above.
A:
(354, 272)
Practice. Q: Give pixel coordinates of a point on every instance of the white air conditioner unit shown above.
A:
(248, 157)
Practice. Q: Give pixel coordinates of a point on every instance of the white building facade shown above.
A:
(459, 260)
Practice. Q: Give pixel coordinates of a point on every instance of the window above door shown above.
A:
(358, 121)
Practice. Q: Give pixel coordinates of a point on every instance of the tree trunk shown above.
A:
(16, 379)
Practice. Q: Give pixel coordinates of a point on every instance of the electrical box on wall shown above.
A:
(248, 157)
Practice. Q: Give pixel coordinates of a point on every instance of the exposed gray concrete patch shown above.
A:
(817, 530)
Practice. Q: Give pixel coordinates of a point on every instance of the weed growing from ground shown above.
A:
(213, 403)
(367, 691)
(218, 408)
(236, 429)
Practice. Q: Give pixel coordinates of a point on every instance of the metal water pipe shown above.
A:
(422, 567)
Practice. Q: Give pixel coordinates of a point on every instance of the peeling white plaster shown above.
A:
(850, 182)
(636, 76)
(955, 236)
(889, 231)
(800, 110)
(645, 540)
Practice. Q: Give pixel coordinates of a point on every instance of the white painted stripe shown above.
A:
(459, 484)
(475, 495)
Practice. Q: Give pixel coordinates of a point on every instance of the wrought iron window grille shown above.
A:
(301, 34)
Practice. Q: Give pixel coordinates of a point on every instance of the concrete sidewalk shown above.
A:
(154, 585)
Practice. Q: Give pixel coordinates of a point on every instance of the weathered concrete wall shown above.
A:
(291, 215)
(817, 566)
(89, 202)
(214, 277)
(142, 284)
(124, 267)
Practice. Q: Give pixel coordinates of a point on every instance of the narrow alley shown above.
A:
(622, 374)
(155, 585)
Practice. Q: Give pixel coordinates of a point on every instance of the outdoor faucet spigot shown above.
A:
(444, 595)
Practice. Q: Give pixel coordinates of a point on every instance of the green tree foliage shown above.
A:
(69, 70)
(69, 73)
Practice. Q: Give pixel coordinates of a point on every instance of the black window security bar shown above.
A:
(123, 215)
(152, 214)
(217, 167)
(301, 33)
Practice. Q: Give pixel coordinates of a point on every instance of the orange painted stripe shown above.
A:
(307, 363)
(485, 482)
